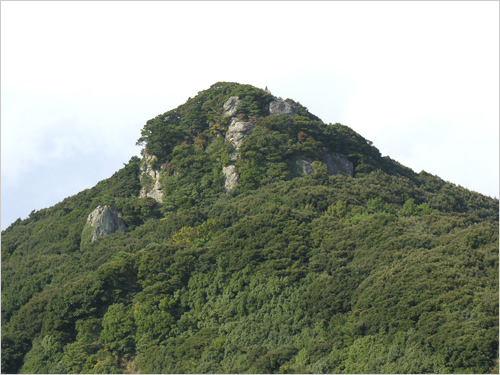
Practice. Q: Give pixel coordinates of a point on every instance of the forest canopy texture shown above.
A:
(381, 270)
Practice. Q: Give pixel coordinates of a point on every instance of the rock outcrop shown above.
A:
(239, 130)
(154, 191)
(338, 163)
(230, 106)
(280, 107)
(305, 166)
(231, 177)
(236, 134)
(105, 221)
(153, 175)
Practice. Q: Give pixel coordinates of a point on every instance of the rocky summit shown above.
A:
(239, 127)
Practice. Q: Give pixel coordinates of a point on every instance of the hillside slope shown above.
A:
(258, 239)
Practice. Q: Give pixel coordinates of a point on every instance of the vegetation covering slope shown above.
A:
(387, 271)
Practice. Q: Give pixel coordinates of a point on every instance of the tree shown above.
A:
(119, 330)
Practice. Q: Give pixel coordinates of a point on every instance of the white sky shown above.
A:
(80, 79)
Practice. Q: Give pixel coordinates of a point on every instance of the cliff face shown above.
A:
(236, 133)
(150, 178)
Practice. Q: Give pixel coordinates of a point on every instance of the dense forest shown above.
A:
(382, 270)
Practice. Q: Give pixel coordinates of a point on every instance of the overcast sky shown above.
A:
(80, 79)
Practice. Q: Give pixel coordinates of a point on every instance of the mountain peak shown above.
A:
(250, 136)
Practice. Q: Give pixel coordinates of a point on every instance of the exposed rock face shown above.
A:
(147, 171)
(153, 191)
(236, 134)
(305, 166)
(280, 107)
(230, 106)
(232, 177)
(338, 163)
(105, 221)
(146, 167)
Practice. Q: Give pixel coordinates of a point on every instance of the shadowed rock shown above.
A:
(280, 107)
(338, 163)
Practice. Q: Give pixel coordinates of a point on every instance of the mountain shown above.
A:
(253, 237)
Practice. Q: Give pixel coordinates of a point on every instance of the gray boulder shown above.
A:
(105, 221)
(280, 107)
